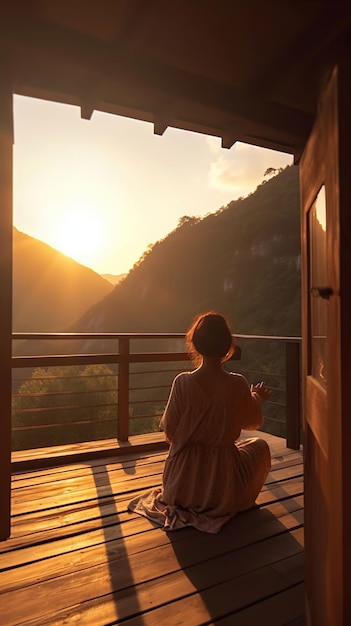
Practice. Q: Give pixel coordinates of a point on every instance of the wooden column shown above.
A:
(6, 142)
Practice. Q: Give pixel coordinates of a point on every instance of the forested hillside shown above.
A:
(50, 290)
(243, 260)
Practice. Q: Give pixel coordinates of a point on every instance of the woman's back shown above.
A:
(208, 477)
(209, 411)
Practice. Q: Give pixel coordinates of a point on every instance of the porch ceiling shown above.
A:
(241, 70)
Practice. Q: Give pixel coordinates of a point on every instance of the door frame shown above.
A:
(327, 415)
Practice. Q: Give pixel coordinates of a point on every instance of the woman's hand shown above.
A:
(262, 391)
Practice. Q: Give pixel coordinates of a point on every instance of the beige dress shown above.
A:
(208, 476)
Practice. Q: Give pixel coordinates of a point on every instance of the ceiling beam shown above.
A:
(84, 54)
(160, 125)
(228, 141)
(87, 109)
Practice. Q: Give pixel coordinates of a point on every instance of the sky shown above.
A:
(103, 190)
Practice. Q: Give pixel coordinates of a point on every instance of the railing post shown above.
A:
(123, 391)
(293, 392)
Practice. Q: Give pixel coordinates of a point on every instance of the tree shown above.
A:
(64, 405)
(188, 220)
(273, 171)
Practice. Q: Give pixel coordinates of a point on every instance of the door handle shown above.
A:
(322, 292)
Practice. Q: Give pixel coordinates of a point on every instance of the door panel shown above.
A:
(326, 320)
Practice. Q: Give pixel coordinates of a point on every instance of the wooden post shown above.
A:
(123, 391)
(293, 392)
(6, 225)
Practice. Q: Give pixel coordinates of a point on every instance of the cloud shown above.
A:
(243, 168)
(225, 173)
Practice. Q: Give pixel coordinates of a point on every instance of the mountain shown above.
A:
(50, 290)
(243, 260)
(114, 279)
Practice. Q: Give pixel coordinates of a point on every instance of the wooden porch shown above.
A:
(77, 556)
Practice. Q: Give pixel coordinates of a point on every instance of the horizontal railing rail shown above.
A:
(135, 398)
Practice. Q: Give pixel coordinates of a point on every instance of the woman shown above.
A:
(209, 476)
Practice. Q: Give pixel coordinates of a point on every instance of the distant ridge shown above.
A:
(114, 279)
(50, 290)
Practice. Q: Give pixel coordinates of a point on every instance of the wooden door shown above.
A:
(325, 178)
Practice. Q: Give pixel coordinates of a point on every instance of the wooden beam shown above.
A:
(228, 141)
(86, 110)
(252, 134)
(6, 226)
(89, 95)
(160, 125)
(57, 55)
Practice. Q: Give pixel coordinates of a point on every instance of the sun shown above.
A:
(78, 234)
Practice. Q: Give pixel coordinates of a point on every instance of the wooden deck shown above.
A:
(76, 556)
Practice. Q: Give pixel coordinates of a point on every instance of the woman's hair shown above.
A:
(210, 335)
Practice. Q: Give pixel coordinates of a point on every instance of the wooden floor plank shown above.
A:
(127, 465)
(63, 512)
(120, 491)
(63, 509)
(136, 458)
(84, 483)
(85, 486)
(112, 488)
(72, 512)
(248, 527)
(58, 499)
(41, 483)
(178, 588)
(141, 575)
(63, 454)
(38, 527)
(212, 603)
(124, 463)
(77, 555)
(283, 609)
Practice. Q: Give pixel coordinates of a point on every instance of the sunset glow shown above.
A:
(103, 190)
(79, 234)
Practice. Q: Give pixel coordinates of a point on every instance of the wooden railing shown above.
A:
(285, 380)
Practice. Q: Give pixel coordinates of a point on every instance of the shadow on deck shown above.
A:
(77, 556)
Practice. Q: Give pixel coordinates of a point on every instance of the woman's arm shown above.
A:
(252, 398)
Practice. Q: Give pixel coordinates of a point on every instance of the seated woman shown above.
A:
(209, 475)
